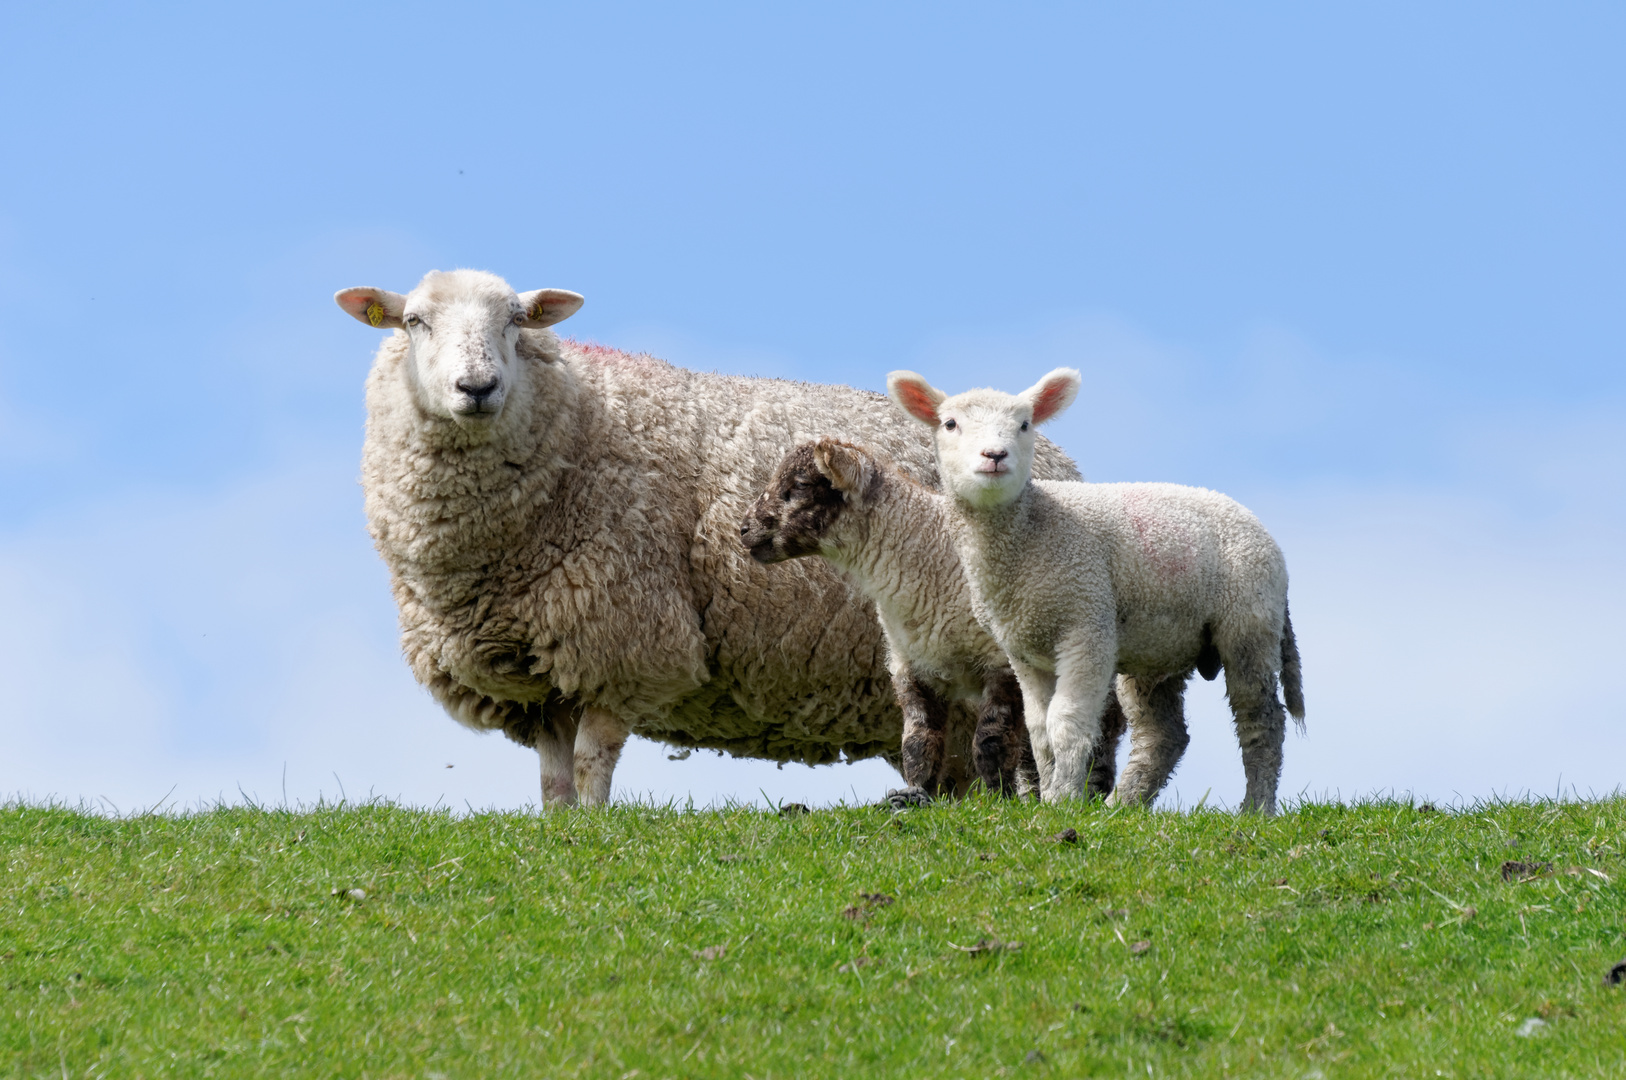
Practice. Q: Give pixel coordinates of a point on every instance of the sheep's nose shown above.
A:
(996, 455)
(479, 391)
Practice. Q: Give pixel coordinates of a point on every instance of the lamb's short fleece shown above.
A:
(888, 535)
(1079, 581)
(560, 522)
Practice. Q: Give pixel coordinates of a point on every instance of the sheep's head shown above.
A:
(463, 331)
(808, 500)
(984, 438)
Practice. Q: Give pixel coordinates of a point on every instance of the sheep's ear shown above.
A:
(915, 396)
(375, 307)
(845, 466)
(1052, 394)
(544, 307)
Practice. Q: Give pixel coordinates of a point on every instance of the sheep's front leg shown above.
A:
(599, 740)
(925, 723)
(1084, 673)
(556, 747)
(1037, 688)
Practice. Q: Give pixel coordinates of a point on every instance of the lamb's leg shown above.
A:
(925, 719)
(1104, 761)
(1155, 709)
(1084, 671)
(1261, 725)
(1001, 748)
(599, 740)
(1037, 689)
(555, 745)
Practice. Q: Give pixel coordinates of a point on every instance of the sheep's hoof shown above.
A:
(904, 798)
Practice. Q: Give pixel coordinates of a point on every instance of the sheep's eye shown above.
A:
(519, 318)
(413, 320)
(1024, 425)
(948, 425)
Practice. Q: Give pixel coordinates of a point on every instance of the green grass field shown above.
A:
(955, 940)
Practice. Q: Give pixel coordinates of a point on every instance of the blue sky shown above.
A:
(1360, 266)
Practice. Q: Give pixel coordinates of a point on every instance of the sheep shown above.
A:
(887, 535)
(560, 521)
(1079, 581)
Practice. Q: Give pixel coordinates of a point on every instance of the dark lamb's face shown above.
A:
(792, 517)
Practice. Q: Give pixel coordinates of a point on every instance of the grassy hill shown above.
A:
(956, 940)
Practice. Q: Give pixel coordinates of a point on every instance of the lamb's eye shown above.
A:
(519, 318)
(949, 425)
(1024, 425)
(413, 320)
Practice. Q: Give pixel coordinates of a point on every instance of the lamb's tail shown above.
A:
(1292, 674)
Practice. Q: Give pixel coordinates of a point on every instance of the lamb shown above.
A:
(560, 525)
(1079, 581)
(887, 535)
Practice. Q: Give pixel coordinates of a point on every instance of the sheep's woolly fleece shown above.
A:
(584, 551)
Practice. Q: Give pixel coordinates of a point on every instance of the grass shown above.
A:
(963, 940)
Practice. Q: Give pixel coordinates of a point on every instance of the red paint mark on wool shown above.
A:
(594, 351)
(1162, 541)
(604, 354)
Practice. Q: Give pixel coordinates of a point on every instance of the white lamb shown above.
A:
(560, 522)
(887, 535)
(1078, 581)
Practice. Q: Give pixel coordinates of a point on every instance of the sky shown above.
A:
(1361, 267)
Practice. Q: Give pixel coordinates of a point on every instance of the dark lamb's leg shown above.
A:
(925, 722)
(1104, 758)
(1001, 750)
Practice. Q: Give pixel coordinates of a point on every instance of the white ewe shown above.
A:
(560, 522)
(889, 537)
(1079, 581)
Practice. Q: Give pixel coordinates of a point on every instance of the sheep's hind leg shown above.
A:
(1261, 726)
(599, 740)
(555, 746)
(1073, 721)
(1155, 709)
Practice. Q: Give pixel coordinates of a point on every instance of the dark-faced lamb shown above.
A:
(1080, 581)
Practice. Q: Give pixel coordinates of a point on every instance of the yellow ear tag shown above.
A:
(375, 313)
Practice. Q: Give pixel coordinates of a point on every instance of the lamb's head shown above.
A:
(809, 504)
(984, 438)
(463, 331)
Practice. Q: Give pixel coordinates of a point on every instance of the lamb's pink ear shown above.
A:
(915, 396)
(544, 307)
(845, 466)
(376, 307)
(1052, 394)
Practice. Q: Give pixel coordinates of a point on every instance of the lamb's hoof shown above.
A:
(904, 798)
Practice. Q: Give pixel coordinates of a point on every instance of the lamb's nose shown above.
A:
(996, 455)
(477, 390)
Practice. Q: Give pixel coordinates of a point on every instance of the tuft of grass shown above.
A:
(971, 939)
